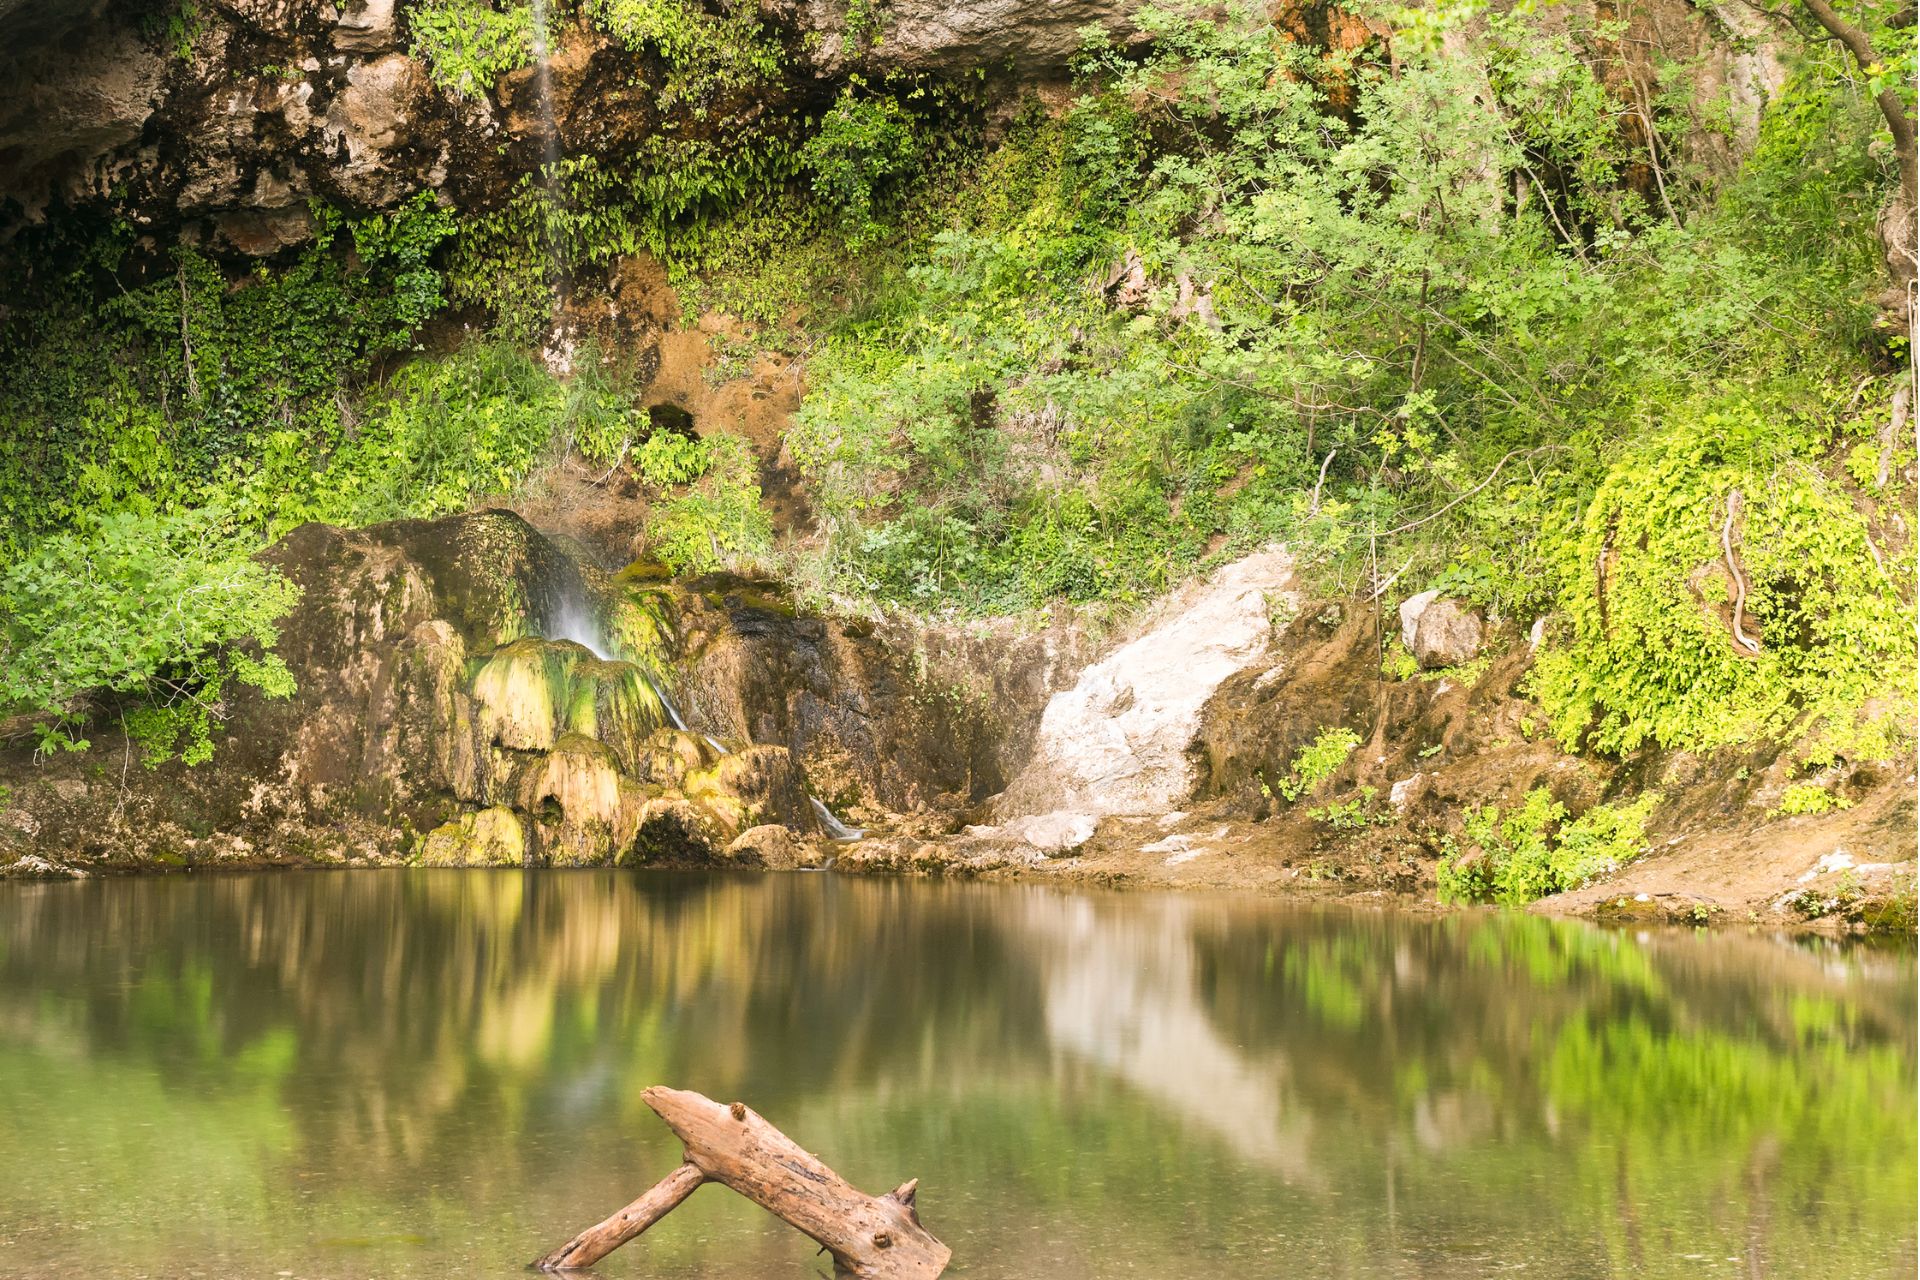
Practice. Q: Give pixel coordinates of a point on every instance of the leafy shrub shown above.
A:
(862, 143)
(1529, 852)
(669, 458)
(193, 390)
(144, 609)
(1645, 580)
(469, 44)
(1319, 760)
(1353, 814)
(1601, 841)
(441, 433)
(718, 521)
(1809, 797)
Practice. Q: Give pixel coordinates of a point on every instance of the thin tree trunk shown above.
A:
(1899, 123)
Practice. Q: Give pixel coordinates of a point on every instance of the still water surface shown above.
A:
(436, 1074)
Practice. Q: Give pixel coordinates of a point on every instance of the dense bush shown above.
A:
(142, 610)
(1528, 852)
(468, 44)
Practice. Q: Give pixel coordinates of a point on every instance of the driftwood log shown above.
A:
(871, 1237)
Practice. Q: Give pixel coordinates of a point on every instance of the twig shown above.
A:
(1653, 148)
(1314, 508)
(1511, 455)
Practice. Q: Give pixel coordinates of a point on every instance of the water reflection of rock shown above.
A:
(1076, 1073)
(1120, 985)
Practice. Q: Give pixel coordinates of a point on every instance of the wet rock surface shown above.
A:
(441, 716)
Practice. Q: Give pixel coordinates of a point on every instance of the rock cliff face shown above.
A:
(222, 119)
(448, 709)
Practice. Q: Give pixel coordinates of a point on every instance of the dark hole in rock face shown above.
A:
(550, 813)
(671, 417)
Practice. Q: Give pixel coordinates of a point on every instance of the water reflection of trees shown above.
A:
(1073, 1073)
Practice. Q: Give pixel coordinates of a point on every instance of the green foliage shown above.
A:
(1809, 797)
(1319, 760)
(1531, 851)
(436, 436)
(175, 28)
(862, 144)
(1647, 583)
(668, 458)
(1353, 814)
(143, 609)
(173, 393)
(718, 521)
(709, 55)
(556, 223)
(468, 44)
(1451, 328)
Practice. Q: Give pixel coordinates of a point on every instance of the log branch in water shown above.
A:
(872, 1237)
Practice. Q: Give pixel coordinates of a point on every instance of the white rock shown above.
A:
(1061, 831)
(1117, 741)
(1838, 860)
(1439, 632)
(1401, 792)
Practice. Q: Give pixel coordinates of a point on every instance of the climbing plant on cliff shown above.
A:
(148, 615)
(1430, 315)
(1722, 587)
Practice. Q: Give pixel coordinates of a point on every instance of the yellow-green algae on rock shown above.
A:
(521, 688)
(613, 703)
(490, 838)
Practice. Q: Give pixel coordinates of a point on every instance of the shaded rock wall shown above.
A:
(225, 128)
(445, 694)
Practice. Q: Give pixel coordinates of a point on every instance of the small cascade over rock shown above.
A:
(578, 747)
(471, 691)
(575, 625)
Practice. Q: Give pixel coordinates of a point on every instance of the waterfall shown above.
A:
(835, 829)
(549, 139)
(574, 623)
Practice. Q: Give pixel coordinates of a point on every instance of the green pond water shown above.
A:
(373, 1074)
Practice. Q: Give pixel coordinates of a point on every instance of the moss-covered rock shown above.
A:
(522, 692)
(750, 788)
(615, 704)
(490, 838)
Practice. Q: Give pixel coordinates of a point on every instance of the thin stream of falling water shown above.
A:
(549, 135)
(575, 624)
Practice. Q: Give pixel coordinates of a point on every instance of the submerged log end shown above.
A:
(601, 1239)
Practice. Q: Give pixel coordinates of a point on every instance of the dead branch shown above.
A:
(870, 1237)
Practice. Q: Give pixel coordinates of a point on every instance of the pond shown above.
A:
(349, 1075)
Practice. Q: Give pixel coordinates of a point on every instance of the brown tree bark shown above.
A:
(870, 1237)
(1899, 123)
(1899, 235)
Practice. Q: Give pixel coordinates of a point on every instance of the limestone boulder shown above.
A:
(778, 848)
(490, 838)
(1118, 741)
(1055, 834)
(1440, 632)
